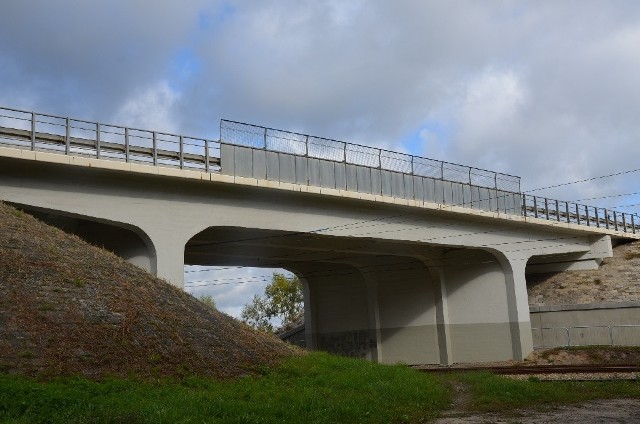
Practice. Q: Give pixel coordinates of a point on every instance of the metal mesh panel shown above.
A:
(397, 162)
(323, 148)
(286, 142)
(482, 178)
(456, 173)
(242, 134)
(427, 167)
(507, 182)
(363, 155)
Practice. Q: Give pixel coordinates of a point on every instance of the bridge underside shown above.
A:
(386, 280)
(381, 300)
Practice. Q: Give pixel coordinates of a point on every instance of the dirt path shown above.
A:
(601, 411)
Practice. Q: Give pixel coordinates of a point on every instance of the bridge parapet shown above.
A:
(252, 151)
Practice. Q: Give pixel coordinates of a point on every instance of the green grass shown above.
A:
(315, 388)
(493, 393)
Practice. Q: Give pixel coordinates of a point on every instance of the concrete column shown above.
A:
(518, 305)
(442, 314)
(169, 256)
(338, 320)
(309, 315)
(374, 317)
(401, 308)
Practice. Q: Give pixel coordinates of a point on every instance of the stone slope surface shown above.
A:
(67, 307)
(616, 280)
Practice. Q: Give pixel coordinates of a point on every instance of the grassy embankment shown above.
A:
(316, 388)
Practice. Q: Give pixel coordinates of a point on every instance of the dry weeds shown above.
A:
(67, 307)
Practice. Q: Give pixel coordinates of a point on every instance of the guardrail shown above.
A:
(575, 213)
(43, 132)
(254, 136)
(608, 334)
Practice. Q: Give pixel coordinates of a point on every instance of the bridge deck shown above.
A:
(396, 174)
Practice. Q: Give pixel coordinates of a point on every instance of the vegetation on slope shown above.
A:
(67, 307)
(616, 280)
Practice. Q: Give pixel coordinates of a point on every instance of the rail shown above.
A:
(614, 335)
(476, 188)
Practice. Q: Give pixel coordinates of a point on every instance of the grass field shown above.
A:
(315, 388)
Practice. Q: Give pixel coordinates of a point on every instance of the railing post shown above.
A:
(181, 140)
(469, 175)
(586, 214)
(66, 137)
(566, 210)
(624, 223)
(524, 205)
(577, 214)
(33, 131)
(154, 152)
(535, 206)
(597, 217)
(606, 219)
(306, 146)
(126, 144)
(546, 208)
(206, 156)
(557, 210)
(633, 224)
(97, 140)
(615, 220)
(412, 167)
(344, 153)
(265, 139)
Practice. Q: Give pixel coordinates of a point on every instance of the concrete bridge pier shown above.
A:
(464, 305)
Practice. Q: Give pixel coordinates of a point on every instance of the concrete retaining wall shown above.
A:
(590, 324)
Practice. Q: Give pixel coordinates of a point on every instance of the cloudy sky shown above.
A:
(548, 90)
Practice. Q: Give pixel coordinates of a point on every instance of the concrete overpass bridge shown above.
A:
(402, 258)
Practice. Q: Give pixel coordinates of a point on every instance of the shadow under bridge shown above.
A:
(387, 301)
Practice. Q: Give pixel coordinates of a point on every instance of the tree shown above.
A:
(282, 300)
(208, 300)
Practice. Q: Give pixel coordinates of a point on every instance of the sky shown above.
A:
(545, 90)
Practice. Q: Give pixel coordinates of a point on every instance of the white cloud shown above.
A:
(150, 108)
(546, 90)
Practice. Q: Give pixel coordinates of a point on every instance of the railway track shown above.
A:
(542, 369)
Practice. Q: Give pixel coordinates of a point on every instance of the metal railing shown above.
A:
(44, 132)
(575, 213)
(613, 335)
(271, 139)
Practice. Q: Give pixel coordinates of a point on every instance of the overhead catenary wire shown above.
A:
(583, 180)
(358, 224)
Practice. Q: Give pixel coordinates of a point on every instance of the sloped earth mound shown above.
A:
(69, 308)
(616, 280)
